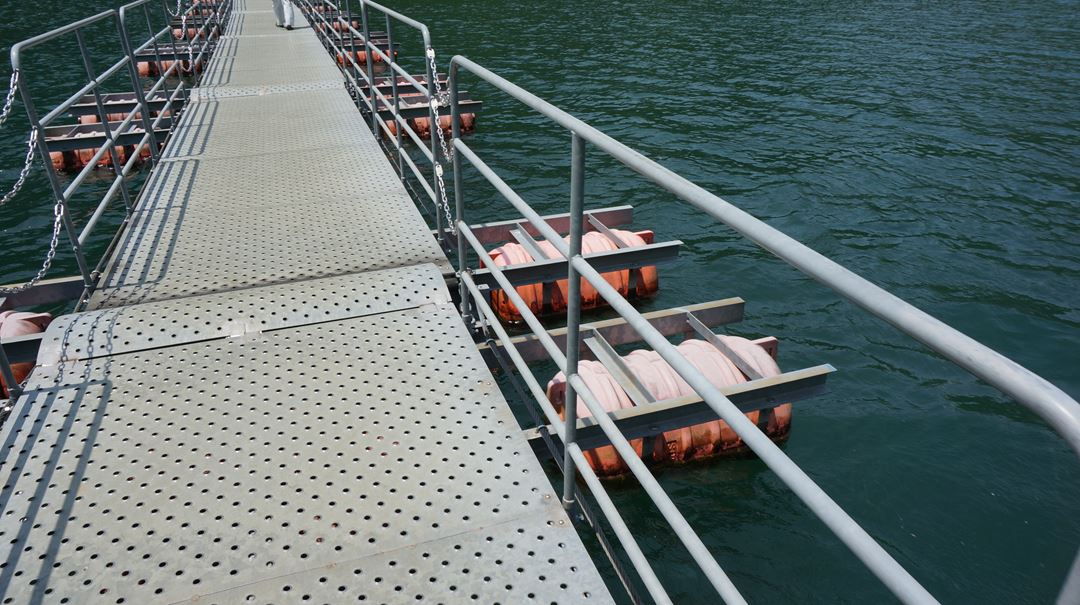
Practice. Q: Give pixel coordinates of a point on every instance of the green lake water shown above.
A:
(931, 147)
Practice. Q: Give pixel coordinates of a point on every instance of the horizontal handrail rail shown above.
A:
(1052, 404)
(94, 83)
(137, 130)
(622, 532)
(1059, 410)
(18, 47)
(344, 43)
(423, 29)
(670, 513)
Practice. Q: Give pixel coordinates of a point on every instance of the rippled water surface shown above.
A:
(932, 147)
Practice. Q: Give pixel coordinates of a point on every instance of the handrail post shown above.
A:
(459, 196)
(397, 98)
(433, 112)
(13, 388)
(159, 66)
(136, 85)
(104, 117)
(50, 170)
(368, 51)
(573, 312)
(347, 49)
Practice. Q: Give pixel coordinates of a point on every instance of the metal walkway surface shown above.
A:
(272, 176)
(274, 400)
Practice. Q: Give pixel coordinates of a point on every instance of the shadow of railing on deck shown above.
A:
(74, 386)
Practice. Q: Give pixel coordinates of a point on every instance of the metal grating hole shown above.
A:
(250, 311)
(164, 474)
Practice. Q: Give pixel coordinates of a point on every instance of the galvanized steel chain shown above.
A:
(183, 14)
(190, 43)
(58, 221)
(440, 100)
(10, 99)
(28, 163)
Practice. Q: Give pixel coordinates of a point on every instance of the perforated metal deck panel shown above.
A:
(227, 92)
(241, 221)
(235, 314)
(364, 458)
(270, 176)
(212, 138)
(275, 401)
(276, 108)
(316, 68)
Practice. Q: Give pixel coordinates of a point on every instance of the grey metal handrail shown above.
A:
(140, 111)
(1059, 410)
(95, 80)
(356, 74)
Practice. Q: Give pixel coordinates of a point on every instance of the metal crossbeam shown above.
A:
(555, 269)
(499, 231)
(123, 102)
(658, 417)
(617, 332)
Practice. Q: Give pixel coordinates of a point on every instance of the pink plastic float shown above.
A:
(680, 445)
(422, 126)
(591, 242)
(14, 323)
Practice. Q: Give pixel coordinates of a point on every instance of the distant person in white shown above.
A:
(283, 13)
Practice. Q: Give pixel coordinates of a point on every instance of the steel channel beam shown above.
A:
(63, 138)
(385, 83)
(46, 292)
(526, 241)
(617, 332)
(671, 414)
(421, 110)
(737, 359)
(555, 269)
(118, 102)
(22, 349)
(499, 231)
(614, 364)
(175, 53)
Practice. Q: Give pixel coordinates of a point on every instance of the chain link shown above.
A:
(183, 14)
(190, 43)
(10, 99)
(28, 163)
(440, 100)
(58, 221)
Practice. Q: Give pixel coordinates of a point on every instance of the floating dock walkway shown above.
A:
(273, 399)
(269, 393)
